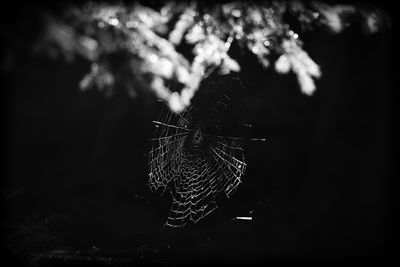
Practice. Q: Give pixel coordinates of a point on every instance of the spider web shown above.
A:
(194, 162)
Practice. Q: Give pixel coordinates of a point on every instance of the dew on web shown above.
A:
(194, 161)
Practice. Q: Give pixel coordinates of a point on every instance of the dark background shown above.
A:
(320, 189)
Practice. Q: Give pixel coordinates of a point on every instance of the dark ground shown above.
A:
(320, 189)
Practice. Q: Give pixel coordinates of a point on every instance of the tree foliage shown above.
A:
(170, 49)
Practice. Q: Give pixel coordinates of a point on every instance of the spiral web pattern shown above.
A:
(194, 165)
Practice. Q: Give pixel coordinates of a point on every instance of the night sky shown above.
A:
(319, 189)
